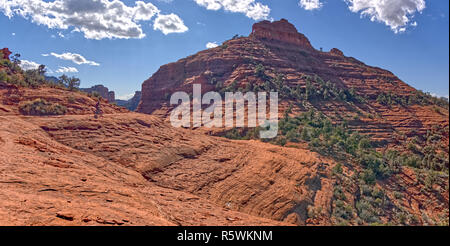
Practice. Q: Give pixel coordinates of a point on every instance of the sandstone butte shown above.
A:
(133, 168)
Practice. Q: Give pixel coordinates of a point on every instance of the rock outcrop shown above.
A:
(5, 53)
(280, 31)
(337, 52)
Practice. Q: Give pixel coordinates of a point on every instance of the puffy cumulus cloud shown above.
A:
(75, 58)
(96, 19)
(29, 65)
(250, 8)
(211, 45)
(169, 24)
(67, 70)
(310, 4)
(396, 14)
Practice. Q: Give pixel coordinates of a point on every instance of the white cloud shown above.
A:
(210, 45)
(125, 97)
(396, 14)
(169, 24)
(14, 34)
(310, 4)
(67, 70)
(28, 65)
(75, 58)
(96, 19)
(250, 8)
(439, 96)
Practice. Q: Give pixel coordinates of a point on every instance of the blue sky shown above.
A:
(121, 49)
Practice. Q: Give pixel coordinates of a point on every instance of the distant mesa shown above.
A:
(52, 79)
(132, 103)
(102, 91)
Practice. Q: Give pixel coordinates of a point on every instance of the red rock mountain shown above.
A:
(281, 50)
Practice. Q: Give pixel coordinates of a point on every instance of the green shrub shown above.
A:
(71, 83)
(33, 78)
(260, 71)
(398, 195)
(41, 107)
(282, 141)
(3, 76)
(414, 98)
(368, 176)
(376, 167)
(366, 211)
(338, 169)
(71, 99)
(339, 194)
(16, 79)
(94, 94)
(318, 89)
